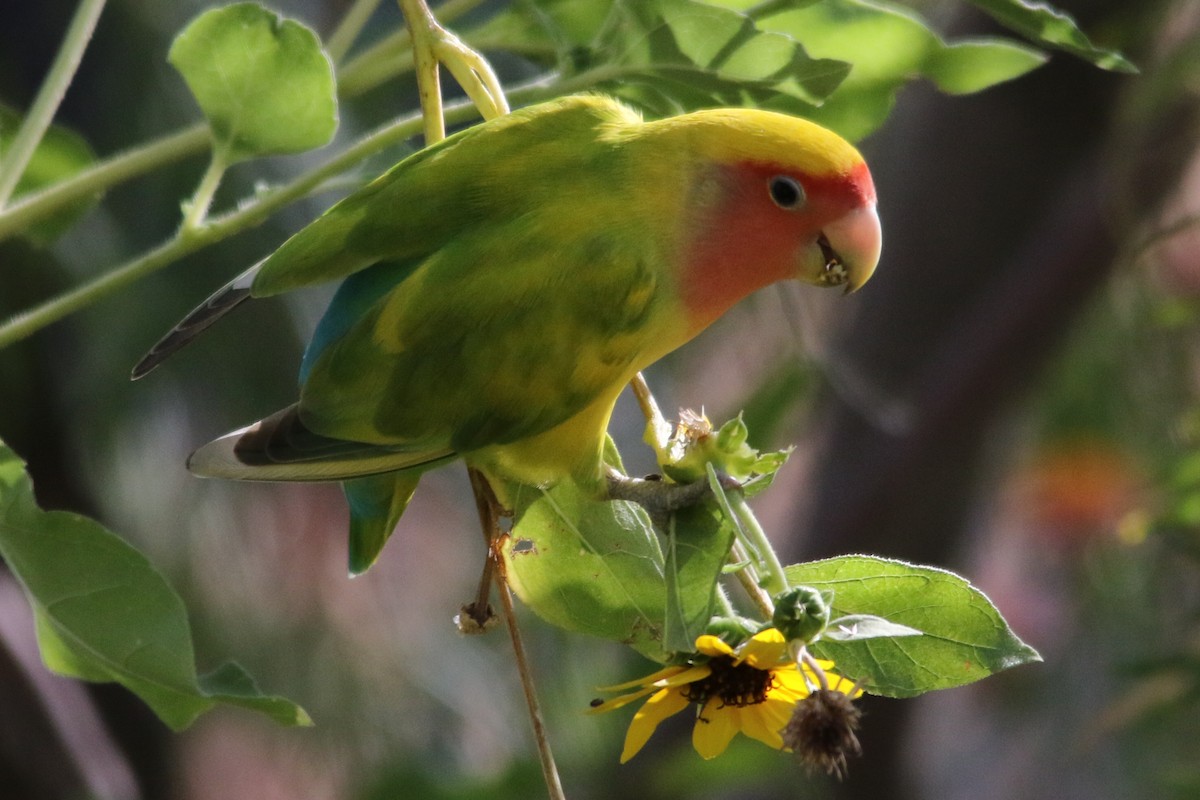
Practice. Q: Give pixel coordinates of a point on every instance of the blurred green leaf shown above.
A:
(263, 82)
(967, 67)
(889, 46)
(105, 614)
(60, 154)
(963, 639)
(589, 566)
(1042, 23)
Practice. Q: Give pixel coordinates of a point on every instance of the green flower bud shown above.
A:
(801, 613)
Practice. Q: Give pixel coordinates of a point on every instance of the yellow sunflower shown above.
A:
(752, 689)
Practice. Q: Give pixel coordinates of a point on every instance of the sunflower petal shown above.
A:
(647, 680)
(660, 706)
(711, 645)
(764, 650)
(614, 703)
(715, 728)
(765, 721)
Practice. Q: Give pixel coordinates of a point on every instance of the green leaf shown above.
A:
(667, 55)
(60, 154)
(971, 66)
(263, 82)
(105, 614)
(963, 637)
(890, 46)
(676, 55)
(1042, 23)
(698, 542)
(589, 566)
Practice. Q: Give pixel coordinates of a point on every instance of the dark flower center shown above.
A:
(736, 684)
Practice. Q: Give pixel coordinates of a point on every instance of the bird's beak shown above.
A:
(851, 247)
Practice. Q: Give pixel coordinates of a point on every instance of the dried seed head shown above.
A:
(822, 730)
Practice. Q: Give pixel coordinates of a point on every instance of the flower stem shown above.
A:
(774, 580)
(748, 577)
(45, 105)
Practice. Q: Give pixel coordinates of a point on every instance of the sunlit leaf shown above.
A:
(105, 614)
(963, 637)
(263, 82)
(60, 154)
(589, 566)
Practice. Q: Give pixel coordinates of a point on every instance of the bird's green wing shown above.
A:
(503, 334)
(412, 210)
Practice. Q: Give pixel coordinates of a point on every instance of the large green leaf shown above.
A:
(963, 637)
(60, 154)
(587, 565)
(263, 82)
(1043, 23)
(105, 614)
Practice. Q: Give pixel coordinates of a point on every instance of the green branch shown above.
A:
(145, 158)
(187, 242)
(41, 114)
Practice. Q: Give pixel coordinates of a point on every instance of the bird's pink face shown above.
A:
(765, 223)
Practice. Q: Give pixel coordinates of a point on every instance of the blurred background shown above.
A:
(1012, 397)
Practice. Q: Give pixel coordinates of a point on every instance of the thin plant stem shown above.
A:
(478, 615)
(748, 577)
(45, 105)
(723, 601)
(774, 580)
(387, 58)
(103, 175)
(201, 202)
(347, 31)
(545, 754)
(810, 662)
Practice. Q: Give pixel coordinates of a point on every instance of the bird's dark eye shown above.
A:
(786, 191)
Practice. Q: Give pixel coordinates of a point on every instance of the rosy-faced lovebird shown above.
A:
(499, 288)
